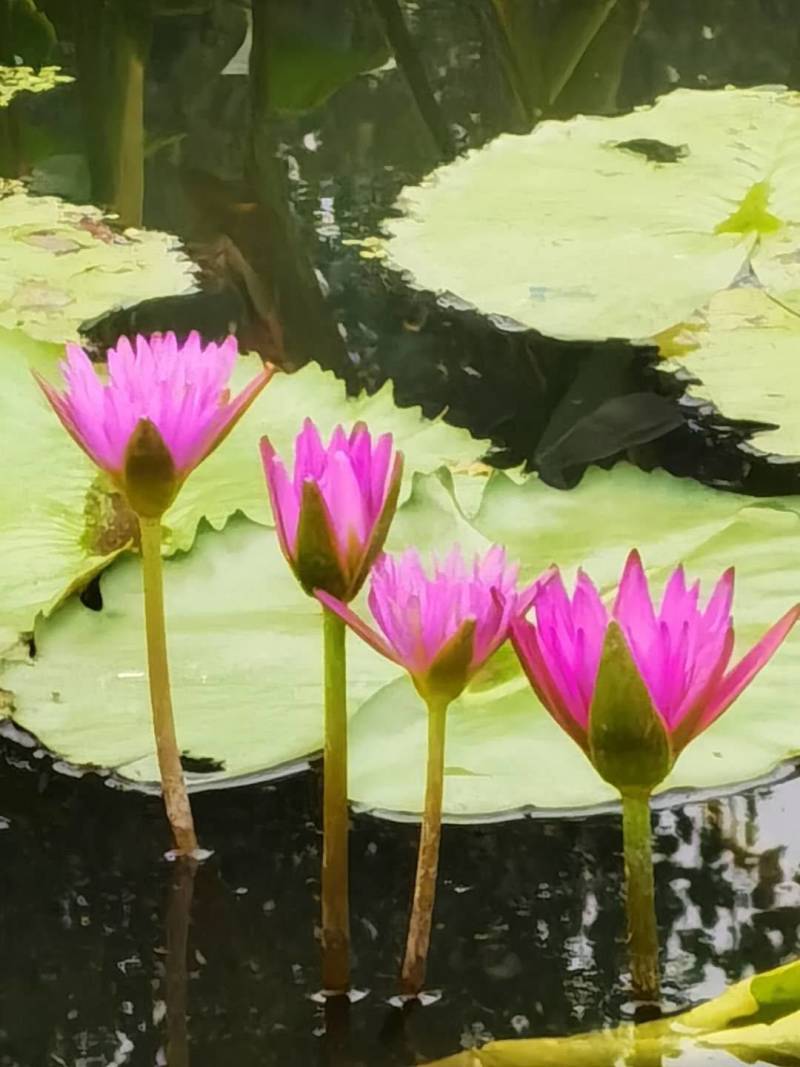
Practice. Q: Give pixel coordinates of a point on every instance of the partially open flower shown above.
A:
(164, 408)
(332, 515)
(634, 685)
(442, 628)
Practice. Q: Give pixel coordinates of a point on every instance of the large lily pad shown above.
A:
(237, 621)
(741, 353)
(61, 264)
(245, 646)
(614, 227)
(757, 1019)
(60, 521)
(504, 753)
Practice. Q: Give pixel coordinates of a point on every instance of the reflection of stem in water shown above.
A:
(513, 27)
(270, 235)
(410, 63)
(6, 40)
(11, 165)
(179, 912)
(336, 1051)
(586, 49)
(573, 34)
(595, 81)
(640, 896)
(112, 40)
(335, 881)
(412, 976)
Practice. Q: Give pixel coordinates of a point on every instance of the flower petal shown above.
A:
(356, 624)
(747, 668)
(282, 498)
(525, 640)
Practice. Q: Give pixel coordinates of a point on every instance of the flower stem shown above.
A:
(173, 786)
(412, 976)
(335, 815)
(640, 896)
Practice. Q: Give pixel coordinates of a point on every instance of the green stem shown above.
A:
(640, 896)
(412, 976)
(173, 786)
(335, 816)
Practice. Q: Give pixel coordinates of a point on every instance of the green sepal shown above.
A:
(149, 477)
(629, 745)
(317, 563)
(447, 677)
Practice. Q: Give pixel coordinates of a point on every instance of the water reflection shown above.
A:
(528, 939)
(111, 41)
(178, 921)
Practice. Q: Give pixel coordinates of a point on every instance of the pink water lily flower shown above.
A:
(681, 650)
(333, 512)
(163, 409)
(442, 628)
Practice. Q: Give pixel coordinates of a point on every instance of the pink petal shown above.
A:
(718, 609)
(633, 607)
(222, 425)
(747, 668)
(309, 455)
(357, 625)
(282, 498)
(684, 725)
(345, 501)
(525, 639)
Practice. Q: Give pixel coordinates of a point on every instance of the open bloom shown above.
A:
(681, 651)
(333, 513)
(163, 409)
(442, 628)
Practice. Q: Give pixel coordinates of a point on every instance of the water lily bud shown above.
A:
(332, 516)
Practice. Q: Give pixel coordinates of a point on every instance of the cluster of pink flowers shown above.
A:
(165, 407)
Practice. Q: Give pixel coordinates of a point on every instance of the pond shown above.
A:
(274, 143)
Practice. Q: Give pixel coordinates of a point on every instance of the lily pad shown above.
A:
(504, 752)
(614, 227)
(14, 80)
(759, 1017)
(741, 354)
(246, 658)
(61, 264)
(236, 621)
(61, 521)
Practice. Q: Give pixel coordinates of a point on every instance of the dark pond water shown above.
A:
(266, 177)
